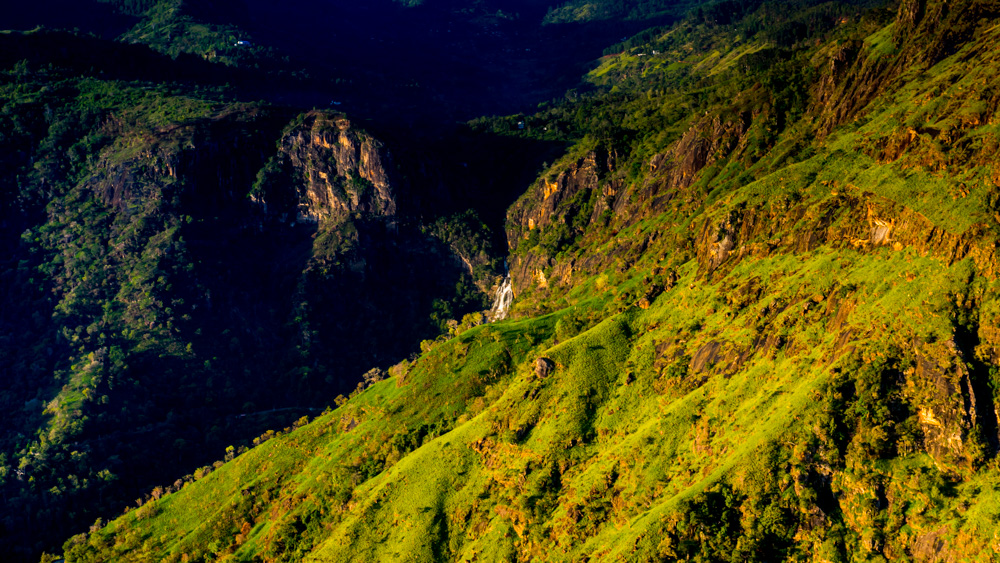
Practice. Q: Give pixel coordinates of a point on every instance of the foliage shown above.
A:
(754, 317)
(769, 401)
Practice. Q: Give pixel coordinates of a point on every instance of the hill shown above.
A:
(425, 64)
(753, 320)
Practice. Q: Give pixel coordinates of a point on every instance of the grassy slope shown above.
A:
(805, 437)
(592, 459)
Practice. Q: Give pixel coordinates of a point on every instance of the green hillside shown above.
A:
(754, 320)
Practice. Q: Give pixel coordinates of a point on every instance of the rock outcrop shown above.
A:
(956, 413)
(544, 366)
(325, 169)
(590, 194)
(339, 170)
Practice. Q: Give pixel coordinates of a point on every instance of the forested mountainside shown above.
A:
(754, 311)
(191, 259)
(753, 260)
(181, 274)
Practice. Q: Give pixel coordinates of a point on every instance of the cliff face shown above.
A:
(341, 170)
(922, 34)
(572, 201)
(590, 198)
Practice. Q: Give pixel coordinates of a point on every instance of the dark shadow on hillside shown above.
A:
(461, 169)
(418, 67)
(86, 56)
(434, 64)
(979, 396)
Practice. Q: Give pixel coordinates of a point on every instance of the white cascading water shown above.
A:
(502, 301)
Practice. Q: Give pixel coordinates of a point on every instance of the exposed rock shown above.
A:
(543, 282)
(342, 170)
(909, 15)
(707, 141)
(880, 230)
(348, 423)
(706, 356)
(861, 220)
(932, 547)
(544, 366)
(671, 175)
(851, 81)
(542, 205)
(568, 199)
(947, 406)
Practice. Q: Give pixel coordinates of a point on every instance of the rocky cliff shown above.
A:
(335, 170)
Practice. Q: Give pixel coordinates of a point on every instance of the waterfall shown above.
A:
(502, 300)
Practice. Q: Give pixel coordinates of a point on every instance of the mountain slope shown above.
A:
(181, 272)
(754, 320)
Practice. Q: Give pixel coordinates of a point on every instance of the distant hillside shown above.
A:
(427, 64)
(89, 16)
(604, 10)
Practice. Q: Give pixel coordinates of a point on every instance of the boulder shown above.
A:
(544, 366)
